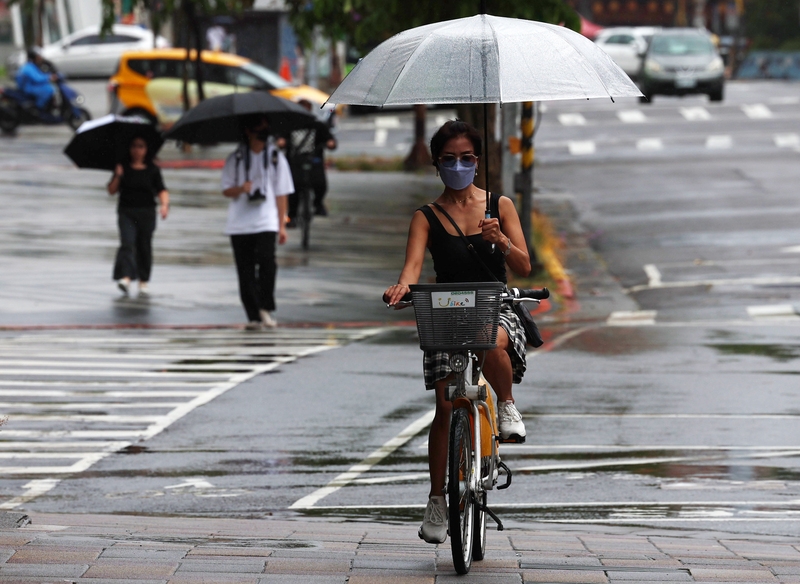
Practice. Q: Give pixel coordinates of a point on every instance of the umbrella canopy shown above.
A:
(103, 143)
(483, 59)
(217, 119)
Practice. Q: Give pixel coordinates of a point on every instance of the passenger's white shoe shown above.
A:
(267, 319)
(434, 525)
(510, 422)
(124, 285)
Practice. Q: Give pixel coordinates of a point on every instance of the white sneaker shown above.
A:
(434, 525)
(124, 285)
(267, 319)
(254, 325)
(144, 290)
(510, 423)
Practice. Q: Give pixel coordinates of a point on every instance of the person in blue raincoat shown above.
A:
(34, 82)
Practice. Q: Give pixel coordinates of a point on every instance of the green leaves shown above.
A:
(365, 23)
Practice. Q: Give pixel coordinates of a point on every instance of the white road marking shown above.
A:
(792, 249)
(387, 122)
(721, 142)
(381, 136)
(787, 140)
(695, 114)
(365, 465)
(784, 100)
(572, 119)
(772, 311)
(757, 111)
(765, 281)
(649, 144)
(192, 484)
(632, 318)
(653, 275)
(32, 490)
(148, 363)
(646, 461)
(581, 147)
(632, 116)
(392, 479)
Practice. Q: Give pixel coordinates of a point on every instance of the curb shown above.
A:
(177, 164)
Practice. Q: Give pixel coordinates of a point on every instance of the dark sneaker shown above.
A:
(320, 211)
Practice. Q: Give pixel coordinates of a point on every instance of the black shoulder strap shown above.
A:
(470, 247)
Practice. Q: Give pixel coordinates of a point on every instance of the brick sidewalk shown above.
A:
(141, 550)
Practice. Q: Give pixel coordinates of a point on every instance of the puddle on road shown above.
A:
(778, 352)
(616, 341)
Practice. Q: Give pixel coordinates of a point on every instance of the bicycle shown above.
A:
(462, 319)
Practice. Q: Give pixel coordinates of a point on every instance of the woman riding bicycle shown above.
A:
(499, 241)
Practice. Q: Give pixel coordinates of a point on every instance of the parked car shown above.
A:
(150, 83)
(681, 61)
(626, 45)
(87, 53)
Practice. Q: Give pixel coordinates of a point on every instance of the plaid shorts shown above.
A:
(436, 364)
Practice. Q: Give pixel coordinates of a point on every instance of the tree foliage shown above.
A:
(773, 24)
(365, 23)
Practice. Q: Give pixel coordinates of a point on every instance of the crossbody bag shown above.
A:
(532, 335)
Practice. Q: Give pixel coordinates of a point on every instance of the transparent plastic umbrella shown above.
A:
(483, 59)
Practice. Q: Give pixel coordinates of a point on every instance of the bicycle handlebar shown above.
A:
(535, 293)
(513, 294)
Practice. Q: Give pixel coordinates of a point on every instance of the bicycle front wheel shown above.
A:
(459, 490)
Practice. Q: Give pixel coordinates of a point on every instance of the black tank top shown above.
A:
(453, 262)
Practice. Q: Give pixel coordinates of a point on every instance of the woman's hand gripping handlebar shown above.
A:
(398, 296)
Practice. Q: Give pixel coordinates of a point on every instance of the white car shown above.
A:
(626, 45)
(86, 53)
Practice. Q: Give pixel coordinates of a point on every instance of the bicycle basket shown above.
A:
(452, 317)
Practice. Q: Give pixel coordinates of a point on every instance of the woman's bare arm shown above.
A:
(415, 257)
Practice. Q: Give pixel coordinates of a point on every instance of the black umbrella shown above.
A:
(217, 119)
(104, 142)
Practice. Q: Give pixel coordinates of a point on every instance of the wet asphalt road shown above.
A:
(668, 396)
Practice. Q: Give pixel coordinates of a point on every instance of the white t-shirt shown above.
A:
(246, 216)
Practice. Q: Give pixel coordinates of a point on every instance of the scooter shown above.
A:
(18, 108)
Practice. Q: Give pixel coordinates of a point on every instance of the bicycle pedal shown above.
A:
(513, 439)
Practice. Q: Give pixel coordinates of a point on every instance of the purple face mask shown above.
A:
(457, 177)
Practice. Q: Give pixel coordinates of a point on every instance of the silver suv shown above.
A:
(681, 61)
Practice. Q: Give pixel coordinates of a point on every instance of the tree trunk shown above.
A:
(194, 25)
(419, 157)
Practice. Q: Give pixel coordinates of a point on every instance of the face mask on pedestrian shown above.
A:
(459, 176)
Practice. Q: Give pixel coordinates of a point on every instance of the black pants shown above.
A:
(135, 254)
(256, 267)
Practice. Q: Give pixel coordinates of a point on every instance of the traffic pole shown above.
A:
(526, 174)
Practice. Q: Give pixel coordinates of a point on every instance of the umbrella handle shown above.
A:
(488, 215)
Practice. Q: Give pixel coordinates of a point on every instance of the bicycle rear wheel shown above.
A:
(305, 216)
(459, 490)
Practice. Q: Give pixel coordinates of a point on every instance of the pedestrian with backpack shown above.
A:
(256, 179)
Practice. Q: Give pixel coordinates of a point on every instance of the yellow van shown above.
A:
(150, 83)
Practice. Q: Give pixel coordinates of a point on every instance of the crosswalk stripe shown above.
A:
(632, 116)
(787, 140)
(582, 147)
(84, 395)
(649, 144)
(719, 142)
(572, 119)
(694, 114)
(757, 111)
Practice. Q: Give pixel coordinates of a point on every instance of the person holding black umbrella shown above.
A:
(139, 183)
(257, 180)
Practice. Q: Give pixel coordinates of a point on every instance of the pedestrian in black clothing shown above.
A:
(305, 150)
(139, 183)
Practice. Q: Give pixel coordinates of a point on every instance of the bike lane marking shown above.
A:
(354, 472)
(371, 460)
